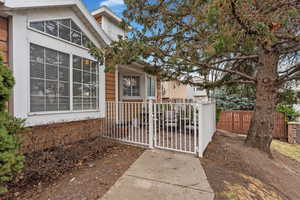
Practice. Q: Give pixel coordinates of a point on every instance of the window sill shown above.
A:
(61, 112)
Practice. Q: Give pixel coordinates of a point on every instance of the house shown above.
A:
(174, 91)
(60, 88)
(178, 92)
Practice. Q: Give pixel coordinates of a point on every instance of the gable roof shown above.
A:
(78, 7)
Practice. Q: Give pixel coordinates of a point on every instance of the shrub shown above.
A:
(11, 161)
(289, 112)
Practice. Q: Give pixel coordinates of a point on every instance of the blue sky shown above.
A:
(117, 6)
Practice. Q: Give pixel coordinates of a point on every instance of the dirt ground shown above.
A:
(236, 172)
(85, 171)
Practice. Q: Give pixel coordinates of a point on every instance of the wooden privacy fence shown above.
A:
(238, 121)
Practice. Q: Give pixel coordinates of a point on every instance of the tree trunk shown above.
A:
(263, 121)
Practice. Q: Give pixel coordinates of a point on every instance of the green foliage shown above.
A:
(11, 161)
(289, 112)
(6, 84)
(288, 97)
(233, 101)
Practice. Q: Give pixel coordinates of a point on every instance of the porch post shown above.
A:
(200, 130)
(151, 130)
(117, 94)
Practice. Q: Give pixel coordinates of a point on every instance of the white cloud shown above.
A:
(112, 3)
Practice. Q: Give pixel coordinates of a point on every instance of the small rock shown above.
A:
(73, 179)
(91, 165)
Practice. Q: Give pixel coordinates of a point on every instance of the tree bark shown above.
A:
(263, 121)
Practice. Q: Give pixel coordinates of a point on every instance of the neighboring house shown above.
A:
(178, 92)
(196, 93)
(174, 91)
(57, 80)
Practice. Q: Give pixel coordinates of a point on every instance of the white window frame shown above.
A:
(56, 37)
(155, 86)
(122, 86)
(70, 88)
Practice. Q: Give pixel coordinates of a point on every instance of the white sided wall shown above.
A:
(20, 38)
(111, 29)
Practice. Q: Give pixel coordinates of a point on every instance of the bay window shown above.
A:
(50, 85)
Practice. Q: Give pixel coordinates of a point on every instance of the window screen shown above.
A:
(85, 84)
(151, 86)
(131, 86)
(49, 80)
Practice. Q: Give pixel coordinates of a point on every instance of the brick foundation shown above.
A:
(46, 136)
(292, 132)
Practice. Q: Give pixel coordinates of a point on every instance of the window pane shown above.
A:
(51, 88)
(135, 83)
(64, 103)
(64, 33)
(77, 90)
(126, 86)
(37, 87)
(38, 25)
(51, 28)
(36, 53)
(85, 40)
(51, 57)
(75, 27)
(77, 62)
(64, 60)
(94, 67)
(86, 77)
(76, 37)
(87, 65)
(37, 104)
(131, 86)
(153, 87)
(86, 91)
(86, 103)
(77, 103)
(64, 89)
(51, 72)
(94, 103)
(94, 79)
(63, 74)
(66, 22)
(36, 70)
(77, 76)
(51, 104)
(94, 91)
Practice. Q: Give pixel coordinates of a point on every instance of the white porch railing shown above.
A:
(184, 127)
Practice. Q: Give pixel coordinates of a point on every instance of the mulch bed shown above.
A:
(84, 170)
(238, 172)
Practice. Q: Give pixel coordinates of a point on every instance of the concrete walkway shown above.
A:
(162, 175)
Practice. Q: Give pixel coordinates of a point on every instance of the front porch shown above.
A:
(130, 83)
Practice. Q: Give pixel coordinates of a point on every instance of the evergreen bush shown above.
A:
(11, 160)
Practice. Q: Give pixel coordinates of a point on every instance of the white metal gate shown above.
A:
(184, 127)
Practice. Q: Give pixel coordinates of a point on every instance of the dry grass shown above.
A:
(254, 189)
(290, 150)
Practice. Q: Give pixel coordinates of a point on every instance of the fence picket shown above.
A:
(183, 127)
